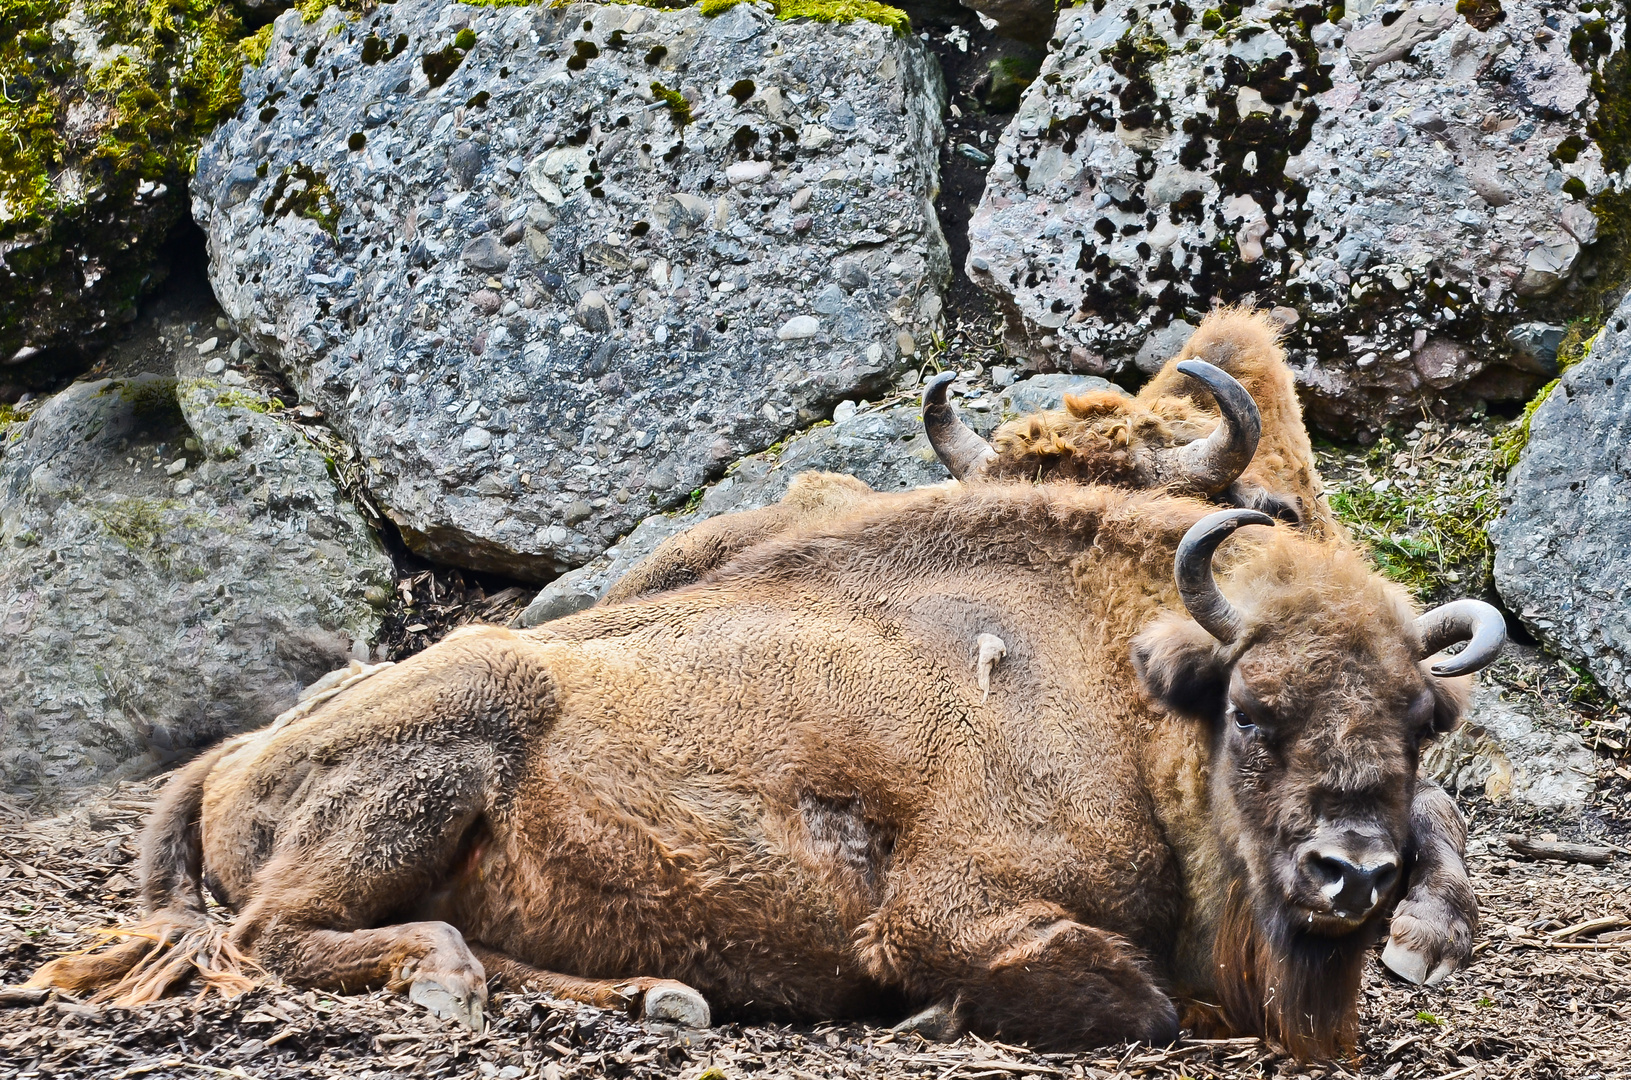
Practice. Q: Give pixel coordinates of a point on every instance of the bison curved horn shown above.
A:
(955, 443)
(1192, 567)
(1472, 621)
(1211, 464)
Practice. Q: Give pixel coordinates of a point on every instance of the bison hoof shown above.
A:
(1413, 967)
(676, 1003)
(937, 1023)
(448, 1003)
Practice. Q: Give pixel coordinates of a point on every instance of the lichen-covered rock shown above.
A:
(171, 570)
(1563, 542)
(886, 448)
(1511, 752)
(552, 268)
(105, 103)
(1428, 194)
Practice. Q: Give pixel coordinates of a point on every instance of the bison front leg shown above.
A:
(1432, 929)
(1034, 975)
(661, 1000)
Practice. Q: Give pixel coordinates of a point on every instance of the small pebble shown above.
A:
(844, 411)
(799, 327)
(747, 172)
(176, 467)
(184, 487)
(207, 346)
(215, 366)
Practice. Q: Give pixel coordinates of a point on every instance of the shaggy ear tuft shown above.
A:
(1450, 698)
(1183, 667)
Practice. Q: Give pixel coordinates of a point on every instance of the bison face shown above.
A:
(1319, 699)
(1313, 772)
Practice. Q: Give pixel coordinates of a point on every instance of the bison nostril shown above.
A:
(1353, 889)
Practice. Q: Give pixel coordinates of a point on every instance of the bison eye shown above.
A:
(1242, 721)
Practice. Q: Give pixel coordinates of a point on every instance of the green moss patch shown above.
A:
(239, 399)
(678, 108)
(1420, 503)
(1575, 347)
(826, 11)
(84, 205)
(166, 75)
(304, 191)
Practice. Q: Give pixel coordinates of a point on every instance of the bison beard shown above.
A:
(1285, 985)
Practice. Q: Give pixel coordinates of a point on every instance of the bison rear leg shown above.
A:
(1034, 975)
(659, 1000)
(321, 909)
(310, 927)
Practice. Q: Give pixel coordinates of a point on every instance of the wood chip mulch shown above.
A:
(1548, 997)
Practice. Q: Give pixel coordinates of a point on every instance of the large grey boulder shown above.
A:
(171, 570)
(1563, 541)
(883, 446)
(543, 293)
(1412, 187)
(1512, 752)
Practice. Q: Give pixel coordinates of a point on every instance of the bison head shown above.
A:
(1320, 684)
(1107, 439)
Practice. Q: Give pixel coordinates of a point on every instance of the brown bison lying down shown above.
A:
(785, 788)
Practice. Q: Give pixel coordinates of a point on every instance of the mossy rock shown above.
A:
(106, 102)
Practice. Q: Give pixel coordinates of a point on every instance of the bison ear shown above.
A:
(1183, 667)
(1450, 698)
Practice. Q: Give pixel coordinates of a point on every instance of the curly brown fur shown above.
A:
(811, 498)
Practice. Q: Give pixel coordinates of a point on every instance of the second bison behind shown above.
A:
(785, 788)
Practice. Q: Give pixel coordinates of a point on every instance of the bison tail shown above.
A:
(158, 955)
(178, 939)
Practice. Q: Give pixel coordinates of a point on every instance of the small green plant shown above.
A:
(1422, 531)
(238, 399)
(135, 523)
(678, 108)
(1008, 78)
(1429, 1018)
(153, 401)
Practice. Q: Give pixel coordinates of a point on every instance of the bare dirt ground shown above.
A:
(1548, 996)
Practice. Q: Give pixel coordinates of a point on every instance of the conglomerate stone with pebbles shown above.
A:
(1428, 191)
(550, 268)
